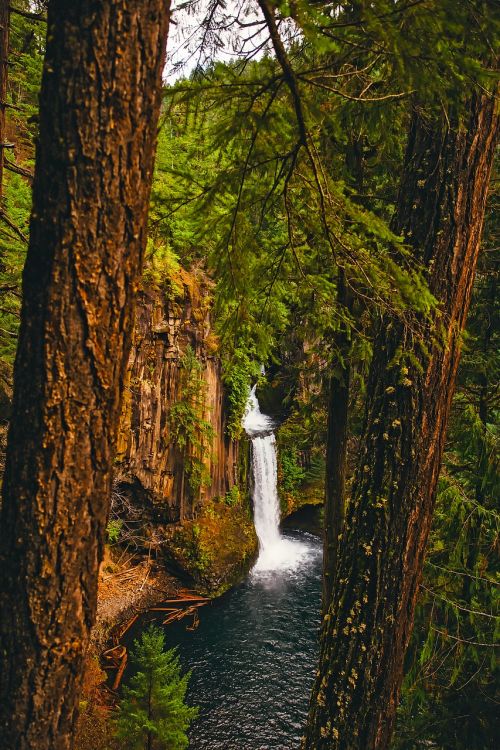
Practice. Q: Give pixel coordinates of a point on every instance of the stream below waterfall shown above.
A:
(254, 653)
(253, 657)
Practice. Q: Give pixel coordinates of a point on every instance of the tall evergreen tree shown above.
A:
(367, 627)
(99, 107)
(451, 670)
(4, 46)
(153, 714)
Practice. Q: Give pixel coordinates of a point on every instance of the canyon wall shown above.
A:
(181, 474)
(167, 461)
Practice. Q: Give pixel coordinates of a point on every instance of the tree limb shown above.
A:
(12, 167)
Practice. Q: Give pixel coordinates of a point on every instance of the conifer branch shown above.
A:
(12, 167)
(13, 227)
(288, 71)
(38, 17)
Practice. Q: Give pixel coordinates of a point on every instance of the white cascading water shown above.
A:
(275, 551)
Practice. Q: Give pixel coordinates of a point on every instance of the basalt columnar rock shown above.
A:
(175, 461)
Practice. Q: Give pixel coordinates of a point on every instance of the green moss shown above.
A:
(297, 485)
(218, 548)
(292, 474)
(238, 373)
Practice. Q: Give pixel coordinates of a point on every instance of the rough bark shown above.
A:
(338, 409)
(366, 631)
(100, 101)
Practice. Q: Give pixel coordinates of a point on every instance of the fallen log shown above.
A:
(119, 674)
(195, 623)
(174, 617)
(193, 598)
(127, 626)
(115, 653)
(120, 574)
(182, 602)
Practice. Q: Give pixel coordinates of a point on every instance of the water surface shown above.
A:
(253, 656)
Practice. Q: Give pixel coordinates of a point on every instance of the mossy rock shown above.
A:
(217, 549)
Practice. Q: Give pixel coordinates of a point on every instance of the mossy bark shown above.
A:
(368, 625)
(100, 101)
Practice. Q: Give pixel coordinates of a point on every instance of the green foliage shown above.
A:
(153, 714)
(113, 530)
(239, 371)
(233, 496)
(191, 544)
(26, 51)
(17, 204)
(191, 432)
(292, 474)
(217, 547)
(161, 267)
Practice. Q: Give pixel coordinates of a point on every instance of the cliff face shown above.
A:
(174, 454)
(180, 473)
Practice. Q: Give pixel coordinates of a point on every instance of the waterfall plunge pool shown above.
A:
(253, 656)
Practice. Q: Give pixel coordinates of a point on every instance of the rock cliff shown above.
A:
(155, 456)
(175, 461)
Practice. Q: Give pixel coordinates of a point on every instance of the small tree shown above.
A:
(153, 714)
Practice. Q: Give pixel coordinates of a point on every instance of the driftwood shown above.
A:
(120, 574)
(127, 626)
(185, 600)
(195, 623)
(179, 615)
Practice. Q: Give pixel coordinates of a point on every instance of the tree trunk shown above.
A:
(475, 521)
(366, 631)
(100, 102)
(336, 454)
(4, 54)
(338, 409)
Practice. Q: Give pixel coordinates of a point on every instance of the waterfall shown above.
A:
(274, 550)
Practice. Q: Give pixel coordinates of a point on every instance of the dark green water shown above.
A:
(253, 656)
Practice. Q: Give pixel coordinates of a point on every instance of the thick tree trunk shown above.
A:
(366, 631)
(100, 102)
(4, 68)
